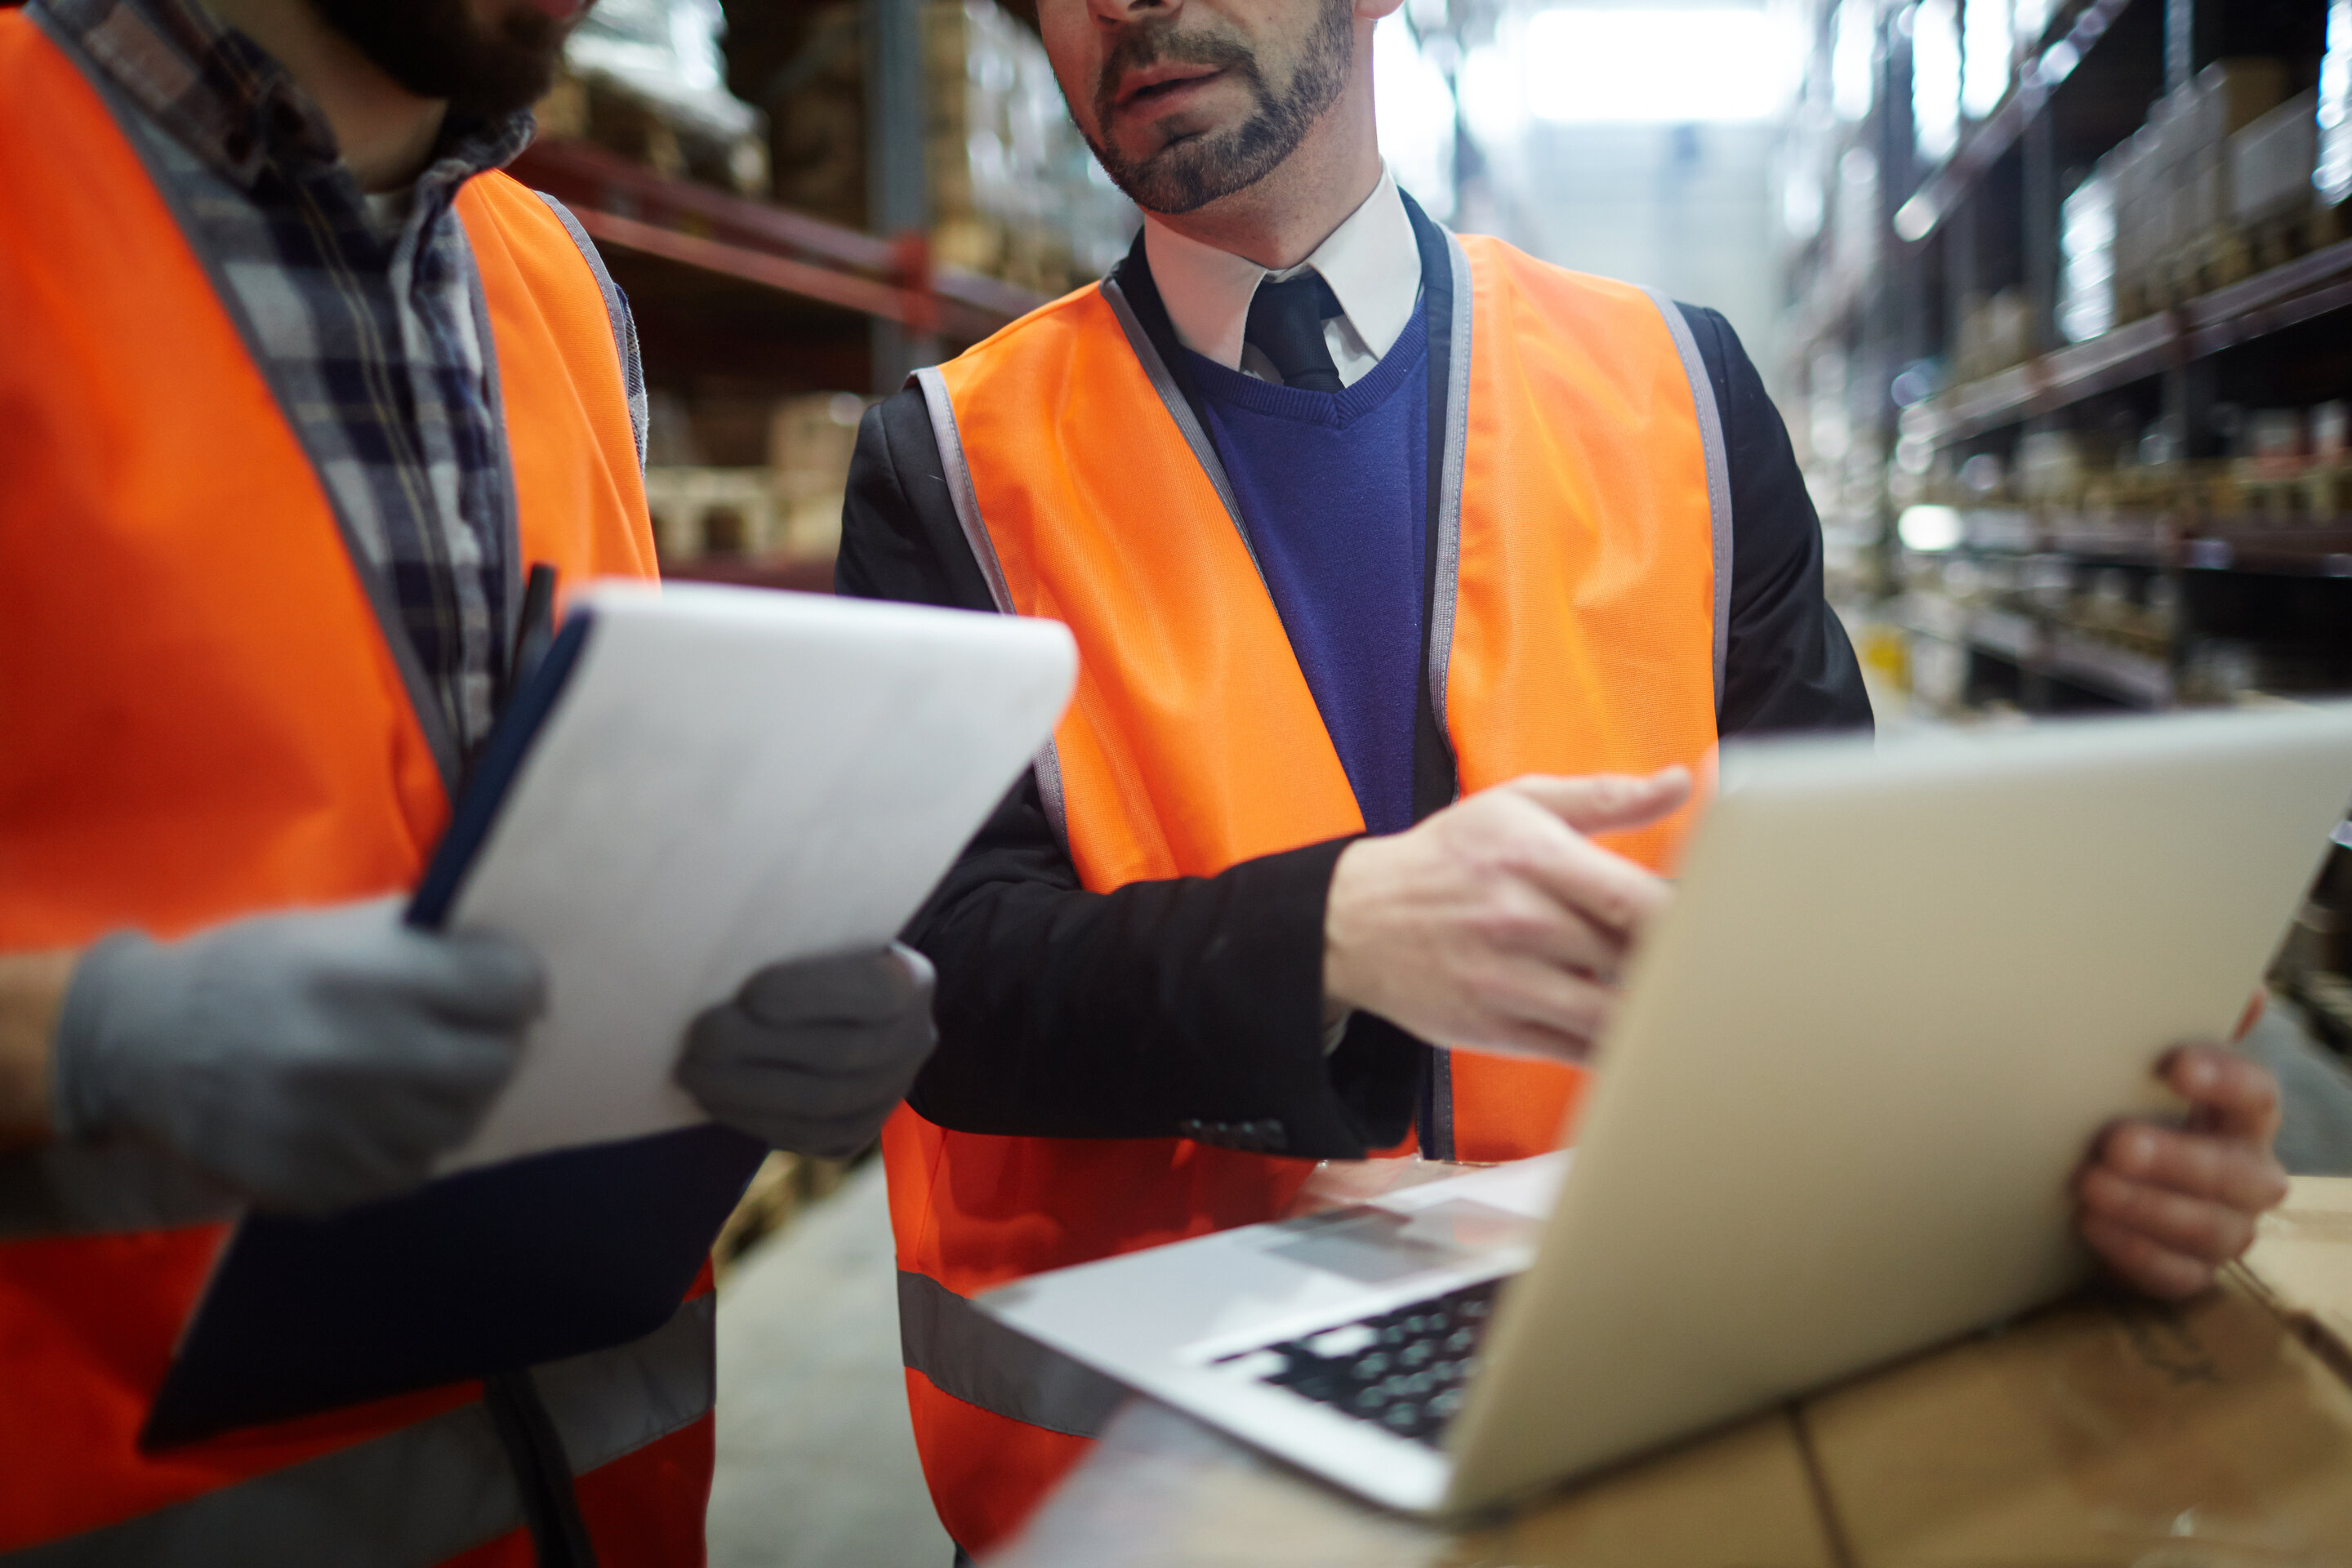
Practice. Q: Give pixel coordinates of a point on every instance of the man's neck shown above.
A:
(1278, 222)
(386, 131)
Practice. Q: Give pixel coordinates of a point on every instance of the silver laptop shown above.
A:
(1897, 995)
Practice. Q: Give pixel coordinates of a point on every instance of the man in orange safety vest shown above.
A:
(294, 386)
(1414, 579)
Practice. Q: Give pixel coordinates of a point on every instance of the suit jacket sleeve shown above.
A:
(1788, 664)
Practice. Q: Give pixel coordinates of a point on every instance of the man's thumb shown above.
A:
(1606, 802)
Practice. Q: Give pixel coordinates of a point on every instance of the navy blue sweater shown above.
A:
(1333, 488)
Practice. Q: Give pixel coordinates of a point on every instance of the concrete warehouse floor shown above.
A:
(816, 1463)
(816, 1466)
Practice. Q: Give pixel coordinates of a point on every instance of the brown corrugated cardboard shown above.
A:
(1742, 1499)
(1164, 1491)
(2302, 1265)
(2097, 1434)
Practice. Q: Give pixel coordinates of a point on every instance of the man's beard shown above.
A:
(1199, 169)
(434, 49)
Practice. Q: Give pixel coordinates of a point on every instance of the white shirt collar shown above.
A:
(1371, 261)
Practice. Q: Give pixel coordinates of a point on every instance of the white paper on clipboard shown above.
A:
(733, 776)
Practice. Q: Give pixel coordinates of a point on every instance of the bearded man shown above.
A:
(1400, 565)
(293, 386)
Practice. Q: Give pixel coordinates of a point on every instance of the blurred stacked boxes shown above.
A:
(2293, 468)
(2225, 180)
(2174, 183)
(2071, 552)
(645, 78)
(2271, 194)
(712, 494)
(1014, 192)
(1014, 195)
(816, 94)
(2282, 468)
(1995, 333)
(2228, 178)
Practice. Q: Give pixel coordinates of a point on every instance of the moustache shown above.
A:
(1147, 45)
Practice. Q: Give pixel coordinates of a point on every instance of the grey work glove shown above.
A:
(813, 1054)
(313, 1059)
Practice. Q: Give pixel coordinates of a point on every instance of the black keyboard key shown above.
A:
(1403, 1369)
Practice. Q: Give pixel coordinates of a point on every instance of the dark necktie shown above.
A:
(1286, 324)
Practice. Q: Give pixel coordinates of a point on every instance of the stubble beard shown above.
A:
(1191, 172)
(434, 49)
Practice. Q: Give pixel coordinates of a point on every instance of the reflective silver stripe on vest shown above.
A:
(971, 1356)
(1171, 398)
(958, 473)
(1449, 481)
(625, 325)
(104, 1189)
(1718, 471)
(422, 1495)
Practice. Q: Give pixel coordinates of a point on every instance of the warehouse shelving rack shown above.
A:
(1988, 217)
(758, 295)
(2179, 579)
(625, 205)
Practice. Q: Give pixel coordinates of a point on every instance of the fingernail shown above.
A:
(2133, 1150)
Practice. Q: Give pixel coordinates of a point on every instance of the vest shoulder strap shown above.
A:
(1613, 308)
(1718, 471)
(616, 311)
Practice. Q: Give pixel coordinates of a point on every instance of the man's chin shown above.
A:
(1187, 174)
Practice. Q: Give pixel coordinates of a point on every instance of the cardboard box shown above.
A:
(1743, 1500)
(2271, 163)
(2302, 1265)
(2096, 1436)
(814, 434)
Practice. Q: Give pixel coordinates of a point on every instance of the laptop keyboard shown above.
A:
(1403, 1370)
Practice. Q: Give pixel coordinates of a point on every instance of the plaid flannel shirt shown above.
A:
(377, 339)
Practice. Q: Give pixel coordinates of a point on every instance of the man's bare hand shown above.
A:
(1496, 924)
(2165, 1208)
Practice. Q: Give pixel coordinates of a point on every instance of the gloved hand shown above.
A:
(315, 1059)
(813, 1054)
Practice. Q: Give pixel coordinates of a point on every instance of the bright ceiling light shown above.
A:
(1660, 66)
(1415, 106)
(1936, 79)
(1987, 45)
(1853, 60)
(1929, 528)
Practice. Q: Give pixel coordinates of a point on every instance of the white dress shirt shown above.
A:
(1371, 261)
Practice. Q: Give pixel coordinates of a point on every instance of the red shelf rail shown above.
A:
(625, 203)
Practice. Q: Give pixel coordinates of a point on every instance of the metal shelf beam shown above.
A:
(1945, 189)
(2272, 301)
(623, 203)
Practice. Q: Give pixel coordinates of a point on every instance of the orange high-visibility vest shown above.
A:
(1583, 578)
(202, 717)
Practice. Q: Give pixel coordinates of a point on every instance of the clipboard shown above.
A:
(567, 1228)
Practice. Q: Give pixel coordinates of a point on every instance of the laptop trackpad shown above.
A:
(1374, 1246)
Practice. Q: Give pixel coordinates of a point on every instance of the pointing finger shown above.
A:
(1603, 802)
(1607, 890)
